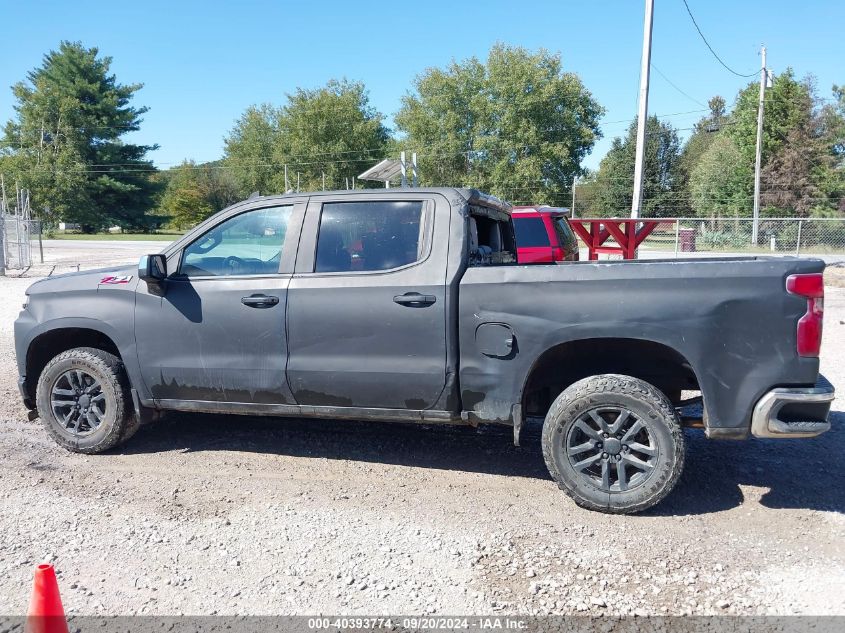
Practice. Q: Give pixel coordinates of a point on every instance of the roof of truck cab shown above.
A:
(470, 196)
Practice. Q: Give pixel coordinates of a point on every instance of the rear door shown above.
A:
(366, 305)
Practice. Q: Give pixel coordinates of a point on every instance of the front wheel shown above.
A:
(614, 444)
(84, 402)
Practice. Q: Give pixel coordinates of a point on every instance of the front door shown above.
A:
(218, 332)
(367, 306)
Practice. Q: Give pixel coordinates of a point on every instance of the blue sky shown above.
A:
(203, 63)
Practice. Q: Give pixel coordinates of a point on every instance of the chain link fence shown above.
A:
(682, 237)
(19, 235)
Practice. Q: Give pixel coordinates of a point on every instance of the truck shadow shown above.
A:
(487, 449)
(793, 473)
(796, 474)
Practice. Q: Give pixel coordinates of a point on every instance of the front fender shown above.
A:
(112, 315)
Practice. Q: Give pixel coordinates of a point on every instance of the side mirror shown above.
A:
(152, 268)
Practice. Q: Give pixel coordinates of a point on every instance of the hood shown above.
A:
(125, 276)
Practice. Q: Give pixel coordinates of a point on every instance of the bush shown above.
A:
(724, 238)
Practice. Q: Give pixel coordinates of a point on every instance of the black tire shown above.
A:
(93, 434)
(584, 450)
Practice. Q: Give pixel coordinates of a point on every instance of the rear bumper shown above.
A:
(793, 411)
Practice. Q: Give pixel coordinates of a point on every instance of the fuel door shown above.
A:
(495, 339)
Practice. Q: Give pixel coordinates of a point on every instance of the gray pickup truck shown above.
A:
(409, 305)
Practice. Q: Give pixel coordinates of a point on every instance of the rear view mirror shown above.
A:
(152, 268)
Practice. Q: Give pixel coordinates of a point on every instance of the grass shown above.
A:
(117, 237)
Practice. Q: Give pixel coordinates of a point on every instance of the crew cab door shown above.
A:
(217, 332)
(366, 304)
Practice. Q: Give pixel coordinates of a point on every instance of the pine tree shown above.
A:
(64, 142)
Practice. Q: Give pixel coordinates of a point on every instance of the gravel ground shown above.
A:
(231, 515)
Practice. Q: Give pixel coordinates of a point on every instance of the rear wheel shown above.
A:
(614, 443)
(83, 400)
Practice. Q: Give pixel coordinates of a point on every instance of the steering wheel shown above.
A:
(233, 265)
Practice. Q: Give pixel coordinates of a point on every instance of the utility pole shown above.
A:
(3, 227)
(404, 172)
(574, 182)
(642, 114)
(759, 155)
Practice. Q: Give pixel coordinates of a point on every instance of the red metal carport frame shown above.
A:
(595, 232)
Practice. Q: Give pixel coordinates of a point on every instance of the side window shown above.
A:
(530, 232)
(246, 244)
(367, 236)
(491, 238)
(565, 234)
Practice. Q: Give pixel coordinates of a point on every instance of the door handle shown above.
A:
(260, 301)
(414, 299)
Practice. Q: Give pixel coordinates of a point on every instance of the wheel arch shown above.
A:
(52, 342)
(567, 362)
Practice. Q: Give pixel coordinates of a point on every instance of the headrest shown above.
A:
(473, 235)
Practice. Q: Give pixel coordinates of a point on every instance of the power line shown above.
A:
(659, 116)
(143, 166)
(671, 83)
(704, 39)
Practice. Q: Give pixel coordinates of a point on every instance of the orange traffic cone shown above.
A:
(46, 614)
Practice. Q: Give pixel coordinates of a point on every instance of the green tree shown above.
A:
(249, 150)
(718, 181)
(330, 131)
(801, 153)
(801, 172)
(194, 192)
(64, 142)
(788, 104)
(703, 134)
(516, 126)
(184, 202)
(586, 196)
(218, 184)
(834, 116)
(613, 189)
(830, 125)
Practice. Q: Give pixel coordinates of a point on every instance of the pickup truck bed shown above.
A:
(713, 320)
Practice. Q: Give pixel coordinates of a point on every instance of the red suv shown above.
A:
(543, 235)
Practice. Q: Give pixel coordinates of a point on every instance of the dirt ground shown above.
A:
(835, 276)
(231, 515)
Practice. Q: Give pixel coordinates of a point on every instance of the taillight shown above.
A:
(810, 286)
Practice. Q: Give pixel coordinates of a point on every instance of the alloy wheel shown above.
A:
(612, 448)
(78, 402)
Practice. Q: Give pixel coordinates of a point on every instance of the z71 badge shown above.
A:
(116, 279)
